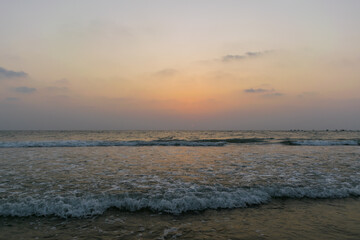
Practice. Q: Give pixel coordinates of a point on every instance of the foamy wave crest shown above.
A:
(322, 142)
(191, 201)
(189, 143)
(76, 143)
(160, 142)
(237, 140)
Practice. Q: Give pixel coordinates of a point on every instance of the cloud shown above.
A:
(4, 73)
(254, 54)
(168, 72)
(24, 89)
(229, 58)
(267, 92)
(257, 90)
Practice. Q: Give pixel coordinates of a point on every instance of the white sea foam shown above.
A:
(78, 143)
(190, 143)
(190, 201)
(323, 142)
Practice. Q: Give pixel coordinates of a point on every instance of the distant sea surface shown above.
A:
(180, 184)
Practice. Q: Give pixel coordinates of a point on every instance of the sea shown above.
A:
(180, 184)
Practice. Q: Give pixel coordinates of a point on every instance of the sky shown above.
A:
(189, 64)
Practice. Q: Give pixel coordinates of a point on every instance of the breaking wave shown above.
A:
(78, 143)
(322, 142)
(191, 201)
(175, 142)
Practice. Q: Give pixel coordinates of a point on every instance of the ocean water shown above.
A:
(180, 184)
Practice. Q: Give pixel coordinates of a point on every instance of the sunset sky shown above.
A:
(187, 64)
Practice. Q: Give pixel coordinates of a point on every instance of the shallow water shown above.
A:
(194, 185)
